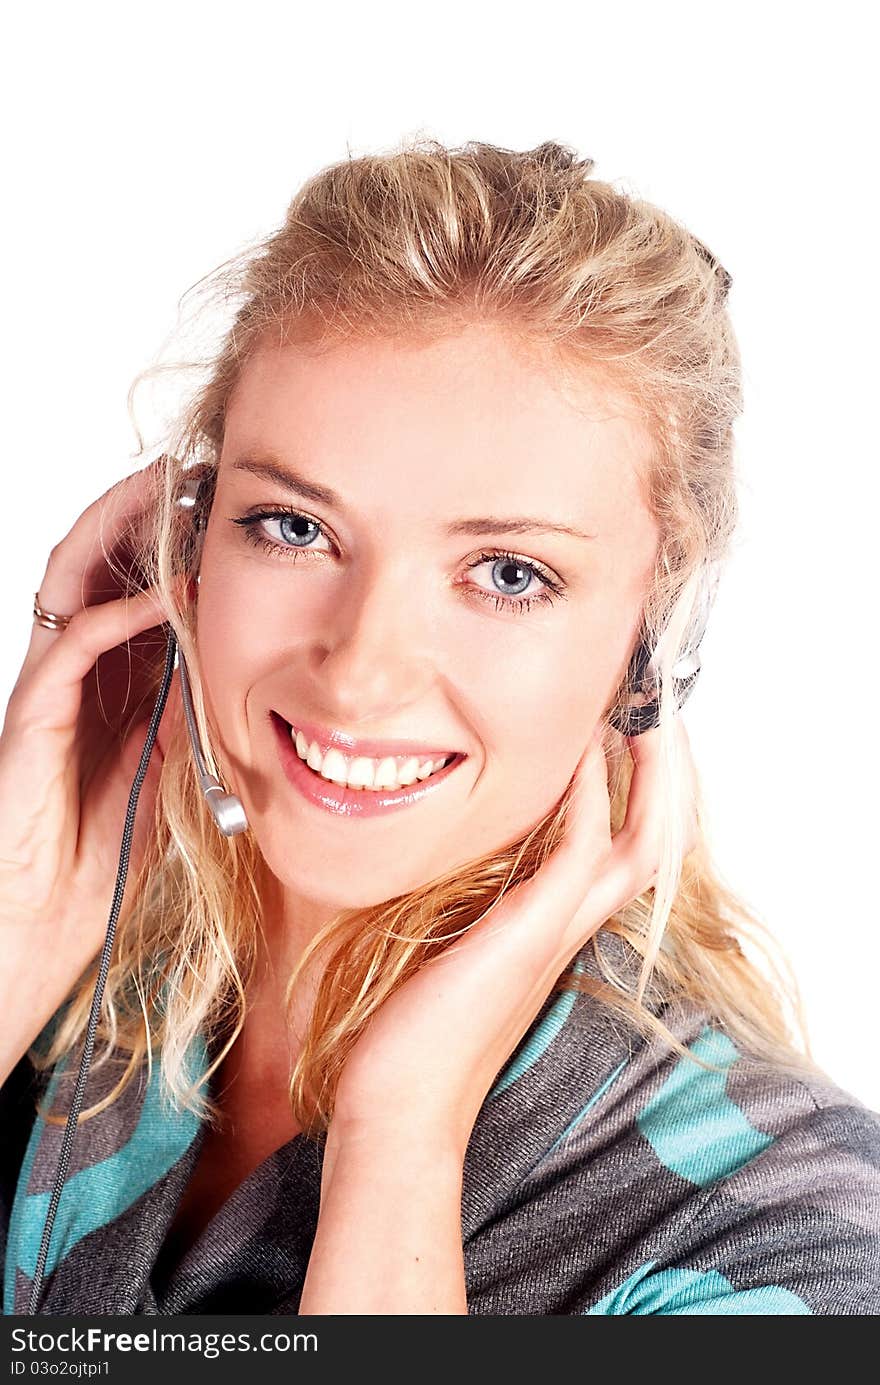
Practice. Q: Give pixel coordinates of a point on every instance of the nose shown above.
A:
(372, 656)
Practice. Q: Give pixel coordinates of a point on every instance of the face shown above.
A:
(391, 598)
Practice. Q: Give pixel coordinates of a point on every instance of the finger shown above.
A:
(636, 849)
(588, 818)
(646, 810)
(552, 896)
(103, 817)
(172, 716)
(48, 695)
(71, 578)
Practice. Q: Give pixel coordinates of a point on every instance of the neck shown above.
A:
(290, 922)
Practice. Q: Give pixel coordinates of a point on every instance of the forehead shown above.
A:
(477, 421)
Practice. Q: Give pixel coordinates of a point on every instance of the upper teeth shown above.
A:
(391, 772)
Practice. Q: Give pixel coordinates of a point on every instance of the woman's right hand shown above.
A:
(66, 770)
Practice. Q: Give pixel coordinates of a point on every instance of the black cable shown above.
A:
(85, 1062)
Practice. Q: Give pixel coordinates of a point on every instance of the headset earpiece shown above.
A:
(635, 718)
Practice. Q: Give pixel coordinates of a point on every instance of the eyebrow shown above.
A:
(486, 524)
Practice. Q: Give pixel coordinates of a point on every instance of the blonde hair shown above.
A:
(417, 242)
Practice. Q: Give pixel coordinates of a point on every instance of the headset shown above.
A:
(229, 815)
(632, 719)
(226, 809)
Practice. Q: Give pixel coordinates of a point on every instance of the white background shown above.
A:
(144, 144)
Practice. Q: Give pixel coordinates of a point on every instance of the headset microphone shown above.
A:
(226, 809)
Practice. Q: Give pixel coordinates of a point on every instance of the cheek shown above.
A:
(548, 689)
(228, 651)
(537, 702)
(532, 711)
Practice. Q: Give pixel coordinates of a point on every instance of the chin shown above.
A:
(359, 884)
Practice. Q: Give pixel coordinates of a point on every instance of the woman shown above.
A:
(462, 1022)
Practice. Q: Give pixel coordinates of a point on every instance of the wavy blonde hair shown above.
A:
(417, 242)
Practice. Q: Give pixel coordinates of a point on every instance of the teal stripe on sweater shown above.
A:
(600, 1091)
(540, 1040)
(691, 1123)
(686, 1293)
(19, 1205)
(95, 1196)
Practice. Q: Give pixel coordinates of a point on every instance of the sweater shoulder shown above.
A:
(714, 1182)
(759, 1183)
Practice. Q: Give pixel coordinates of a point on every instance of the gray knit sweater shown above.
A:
(605, 1174)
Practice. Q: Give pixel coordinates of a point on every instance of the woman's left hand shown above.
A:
(424, 1064)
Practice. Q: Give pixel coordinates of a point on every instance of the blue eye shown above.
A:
(301, 529)
(512, 574)
(510, 571)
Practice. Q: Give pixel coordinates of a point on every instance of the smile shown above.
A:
(358, 785)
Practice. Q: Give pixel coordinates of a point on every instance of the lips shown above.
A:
(343, 800)
(370, 748)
